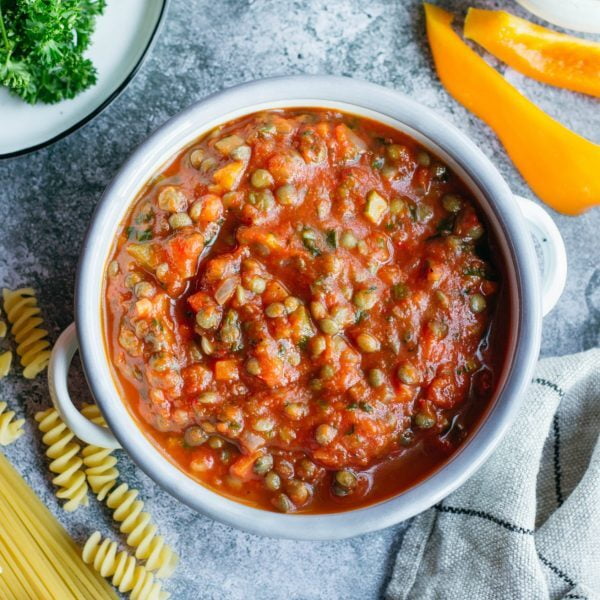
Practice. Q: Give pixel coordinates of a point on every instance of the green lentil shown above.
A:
(287, 195)
(179, 220)
(113, 268)
(475, 232)
(407, 373)
(346, 478)
(397, 206)
(397, 151)
(298, 491)
(194, 436)
(208, 318)
(215, 442)
(196, 158)
(399, 291)
(424, 421)
(367, 342)
(208, 398)
(327, 372)
(318, 345)
(272, 481)
(263, 424)
(423, 212)
(423, 159)
(365, 299)
(143, 289)
(257, 285)
(329, 326)
(307, 469)
(452, 203)
(253, 367)
(283, 503)
(274, 310)
(324, 434)
(291, 303)
(478, 303)
(376, 378)
(241, 153)
(261, 178)
(132, 279)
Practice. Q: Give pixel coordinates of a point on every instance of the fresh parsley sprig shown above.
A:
(41, 47)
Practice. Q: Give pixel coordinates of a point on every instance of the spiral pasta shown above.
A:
(141, 531)
(10, 428)
(65, 459)
(5, 357)
(125, 573)
(101, 472)
(5, 362)
(33, 347)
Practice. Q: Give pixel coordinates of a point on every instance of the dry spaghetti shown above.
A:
(38, 558)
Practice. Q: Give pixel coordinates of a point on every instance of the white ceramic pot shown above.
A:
(513, 220)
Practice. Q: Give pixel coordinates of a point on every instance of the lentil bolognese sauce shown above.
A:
(300, 310)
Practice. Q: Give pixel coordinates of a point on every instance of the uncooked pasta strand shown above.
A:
(24, 552)
(12, 572)
(37, 555)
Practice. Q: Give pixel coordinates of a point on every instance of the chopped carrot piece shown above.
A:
(242, 467)
(226, 370)
(228, 177)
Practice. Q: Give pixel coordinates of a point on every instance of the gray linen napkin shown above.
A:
(527, 524)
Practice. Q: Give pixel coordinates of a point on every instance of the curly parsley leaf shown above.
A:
(41, 47)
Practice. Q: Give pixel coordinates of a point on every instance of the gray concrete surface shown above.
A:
(46, 200)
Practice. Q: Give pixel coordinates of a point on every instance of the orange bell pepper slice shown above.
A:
(555, 58)
(561, 167)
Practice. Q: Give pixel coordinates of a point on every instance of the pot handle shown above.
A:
(552, 250)
(58, 371)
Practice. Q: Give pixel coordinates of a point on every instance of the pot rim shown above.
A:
(362, 97)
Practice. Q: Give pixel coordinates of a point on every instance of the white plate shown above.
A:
(123, 36)
(579, 15)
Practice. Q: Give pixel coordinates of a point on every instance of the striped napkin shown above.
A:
(527, 524)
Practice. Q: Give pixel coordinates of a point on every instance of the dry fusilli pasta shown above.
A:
(5, 362)
(5, 357)
(101, 471)
(32, 345)
(141, 531)
(10, 428)
(125, 573)
(65, 459)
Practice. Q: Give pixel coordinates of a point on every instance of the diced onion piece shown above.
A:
(376, 207)
(226, 290)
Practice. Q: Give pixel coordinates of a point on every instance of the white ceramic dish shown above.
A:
(579, 15)
(529, 297)
(123, 37)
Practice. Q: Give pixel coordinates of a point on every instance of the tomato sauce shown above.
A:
(301, 311)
